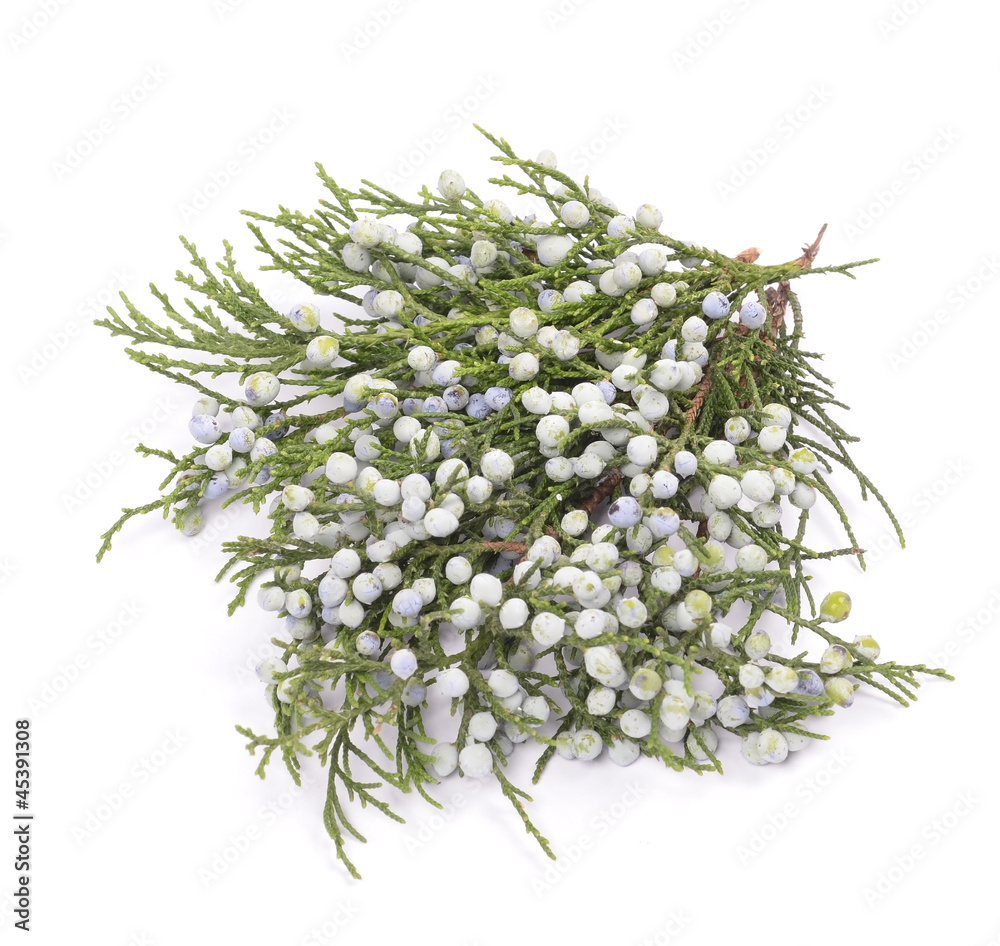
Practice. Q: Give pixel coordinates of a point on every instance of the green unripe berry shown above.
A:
(698, 604)
(663, 556)
(716, 558)
(804, 461)
(757, 646)
(834, 659)
(867, 646)
(782, 679)
(835, 607)
(645, 683)
(841, 691)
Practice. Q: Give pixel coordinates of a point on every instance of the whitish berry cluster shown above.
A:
(557, 473)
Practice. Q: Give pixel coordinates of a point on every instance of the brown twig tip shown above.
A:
(749, 255)
(604, 489)
(699, 398)
(809, 252)
(777, 299)
(504, 546)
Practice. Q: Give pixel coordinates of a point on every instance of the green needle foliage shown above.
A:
(459, 293)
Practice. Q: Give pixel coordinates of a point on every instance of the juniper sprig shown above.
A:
(555, 472)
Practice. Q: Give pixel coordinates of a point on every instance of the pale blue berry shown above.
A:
(715, 306)
(752, 314)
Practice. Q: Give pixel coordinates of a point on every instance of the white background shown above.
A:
(877, 118)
